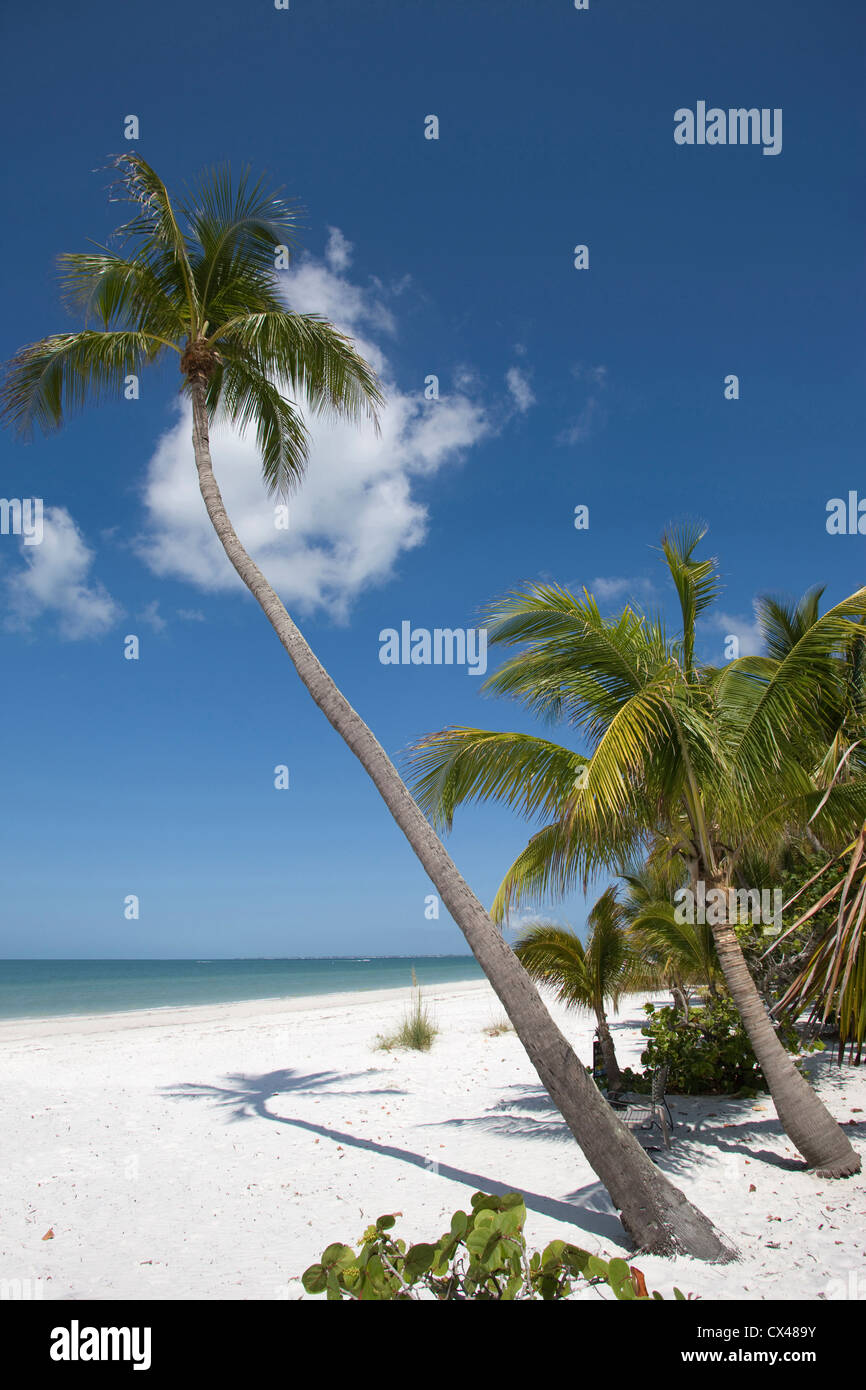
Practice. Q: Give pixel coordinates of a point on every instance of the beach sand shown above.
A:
(213, 1152)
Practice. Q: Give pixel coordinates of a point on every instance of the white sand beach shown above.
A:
(212, 1152)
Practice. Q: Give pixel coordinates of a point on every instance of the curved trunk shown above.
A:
(654, 1212)
(608, 1052)
(681, 1002)
(803, 1116)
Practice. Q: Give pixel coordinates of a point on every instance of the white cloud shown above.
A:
(338, 252)
(518, 919)
(748, 633)
(518, 384)
(191, 615)
(592, 416)
(615, 587)
(55, 581)
(597, 375)
(355, 512)
(151, 615)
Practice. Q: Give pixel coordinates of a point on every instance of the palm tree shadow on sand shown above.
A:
(529, 1113)
(248, 1097)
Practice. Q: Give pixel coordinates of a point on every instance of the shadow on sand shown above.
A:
(247, 1097)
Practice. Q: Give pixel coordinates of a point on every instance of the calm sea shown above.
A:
(42, 988)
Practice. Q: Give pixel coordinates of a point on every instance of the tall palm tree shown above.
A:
(199, 282)
(587, 977)
(717, 762)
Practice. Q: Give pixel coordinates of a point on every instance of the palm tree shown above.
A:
(200, 283)
(717, 762)
(587, 977)
(683, 953)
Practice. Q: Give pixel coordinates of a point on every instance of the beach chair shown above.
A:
(645, 1112)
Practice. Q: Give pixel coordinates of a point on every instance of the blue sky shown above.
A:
(558, 387)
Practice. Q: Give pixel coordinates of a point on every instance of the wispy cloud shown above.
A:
(593, 413)
(150, 614)
(620, 588)
(596, 375)
(338, 252)
(517, 381)
(55, 582)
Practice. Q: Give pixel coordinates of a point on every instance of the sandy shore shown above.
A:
(212, 1152)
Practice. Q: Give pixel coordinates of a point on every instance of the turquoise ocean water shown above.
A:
(45, 988)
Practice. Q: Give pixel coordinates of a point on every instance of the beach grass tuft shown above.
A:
(417, 1029)
(499, 1025)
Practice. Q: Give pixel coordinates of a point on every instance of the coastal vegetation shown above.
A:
(499, 1026)
(589, 978)
(482, 1256)
(701, 773)
(417, 1030)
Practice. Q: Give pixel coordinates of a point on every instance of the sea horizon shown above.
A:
(52, 987)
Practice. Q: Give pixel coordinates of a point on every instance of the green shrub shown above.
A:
(639, 1082)
(482, 1256)
(710, 1054)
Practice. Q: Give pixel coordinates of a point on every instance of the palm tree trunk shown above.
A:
(655, 1213)
(608, 1052)
(681, 1002)
(803, 1116)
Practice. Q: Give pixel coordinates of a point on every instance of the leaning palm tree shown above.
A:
(587, 977)
(719, 763)
(197, 280)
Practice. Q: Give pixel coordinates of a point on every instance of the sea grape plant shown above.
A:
(482, 1256)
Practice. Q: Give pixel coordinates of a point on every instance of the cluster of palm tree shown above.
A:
(703, 772)
(635, 942)
(702, 765)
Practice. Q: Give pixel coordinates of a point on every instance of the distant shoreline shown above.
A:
(48, 989)
(240, 1011)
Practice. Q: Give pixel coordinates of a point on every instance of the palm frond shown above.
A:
(767, 707)
(123, 293)
(696, 581)
(309, 354)
(46, 380)
(244, 396)
(237, 223)
(533, 775)
(783, 621)
(156, 226)
(555, 956)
